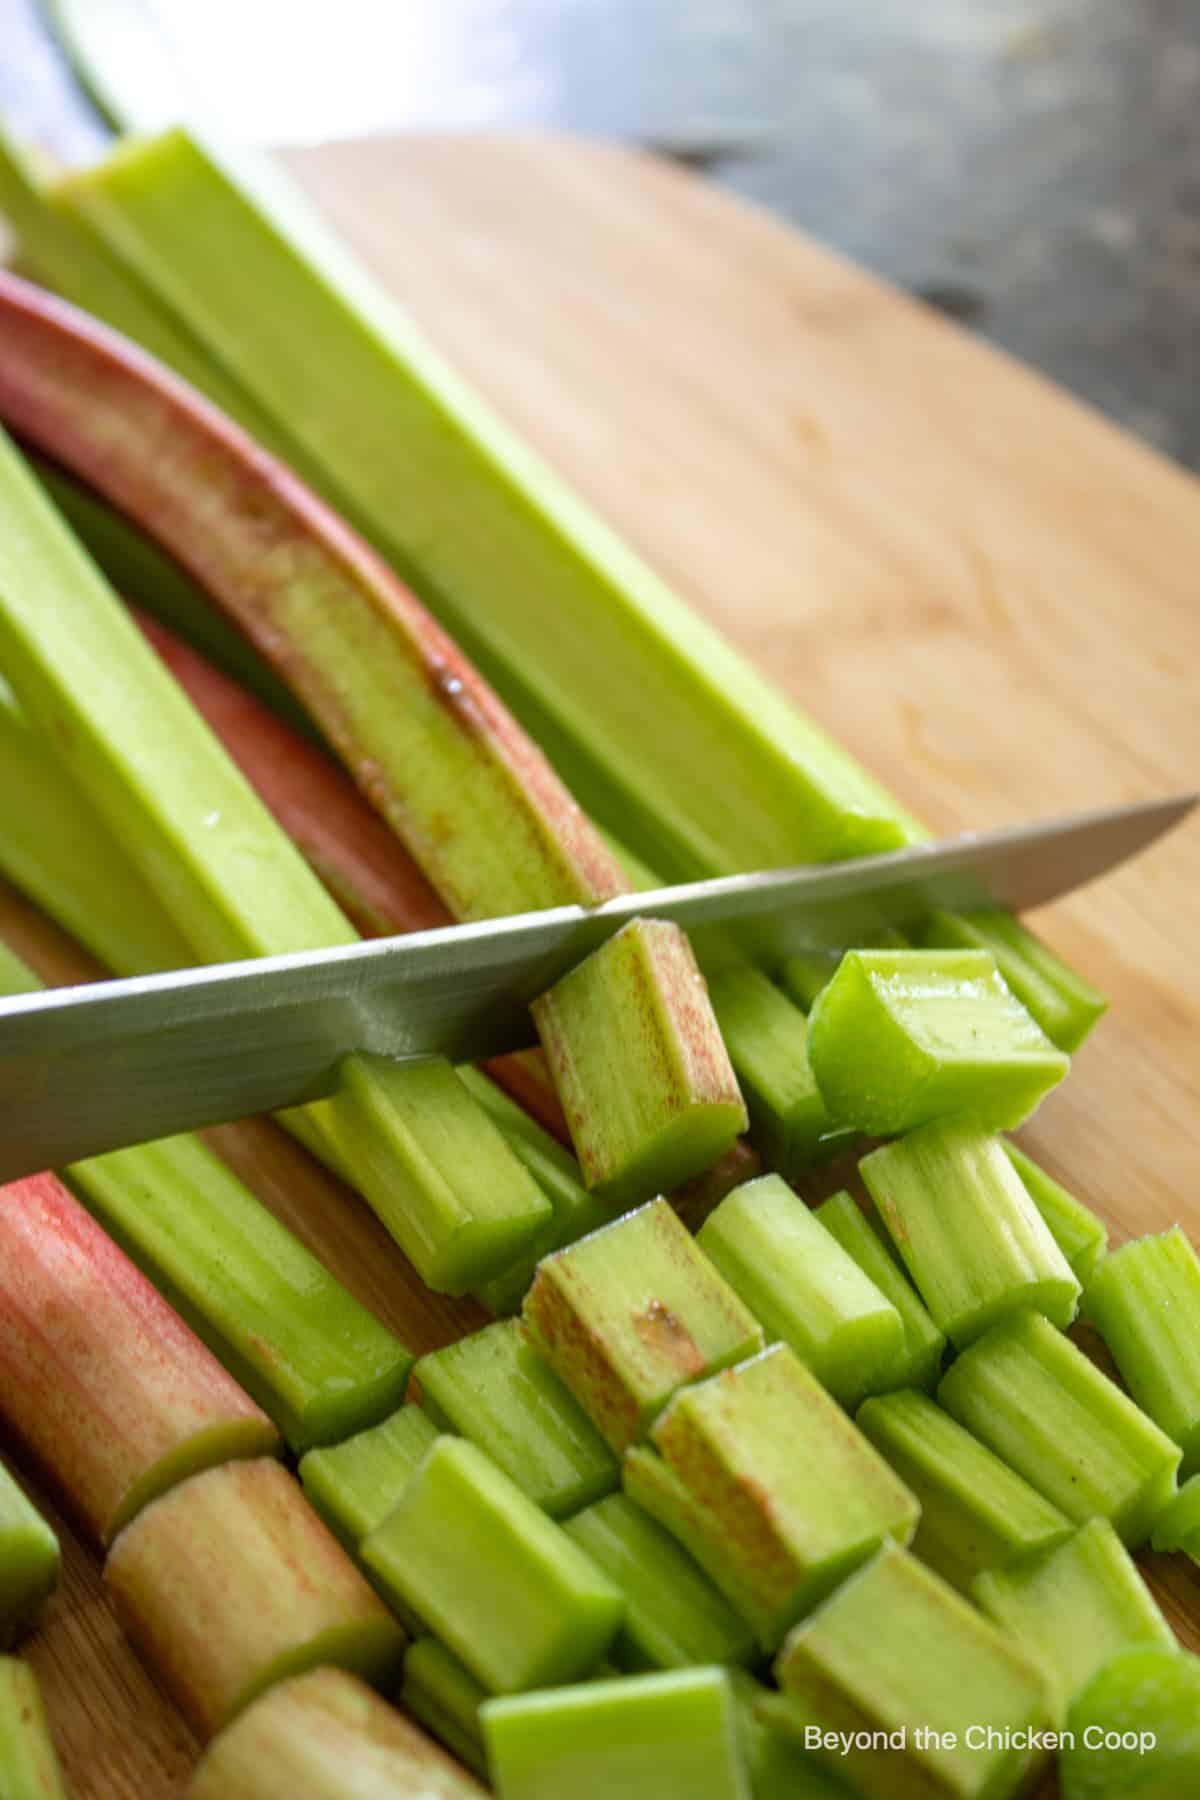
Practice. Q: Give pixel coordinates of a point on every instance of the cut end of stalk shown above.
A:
(645, 1082)
(901, 1037)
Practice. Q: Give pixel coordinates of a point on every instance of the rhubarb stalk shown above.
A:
(28, 1765)
(231, 1583)
(99, 1378)
(326, 1736)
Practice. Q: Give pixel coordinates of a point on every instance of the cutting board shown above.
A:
(985, 590)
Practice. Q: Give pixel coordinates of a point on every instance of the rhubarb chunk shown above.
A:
(897, 1652)
(453, 1194)
(1073, 1607)
(320, 1365)
(326, 1736)
(494, 1388)
(971, 1237)
(920, 1362)
(1177, 1527)
(99, 1377)
(629, 1314)
(674, 1616)
(231, 1583)
(28, 1765)
(776, 1530)
(445, 1698)
(1079, 1234)
(499, 1582)
(976, 1513)
(1063, 1003)
(29, 1560)
(803, 1286)
(1036, 1400)
(1134, 1731)
(900, 1037)
(767, 1040)
(355, 1485)
(1145, 1301)
(776, 1767)
(648, 1737)
(647, 1088)
(573, 1210)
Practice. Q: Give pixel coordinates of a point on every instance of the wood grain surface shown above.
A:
(985, 590)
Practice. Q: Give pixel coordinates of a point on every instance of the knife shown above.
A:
(94, 1068)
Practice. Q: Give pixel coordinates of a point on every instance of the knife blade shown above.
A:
(94, 1068)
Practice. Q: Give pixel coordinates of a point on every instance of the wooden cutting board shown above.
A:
(985, 590)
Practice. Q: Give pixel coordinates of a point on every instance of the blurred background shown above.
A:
(1032, 169)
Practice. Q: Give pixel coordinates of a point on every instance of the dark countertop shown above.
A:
(1033, 169)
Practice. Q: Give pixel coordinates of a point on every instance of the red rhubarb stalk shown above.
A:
(101, 1380)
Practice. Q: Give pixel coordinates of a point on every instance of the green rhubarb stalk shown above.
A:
(669, 1736)
(976, 1514)
(1073, 1607)
(1079, 1234)
(1028, 1393)
(630, 1313)
(500, 1583)
(1134, 1731)
(51, 845)
(631, 1023)
(919, 1363)
(1145, 1301)
(900, 1037)
(99, 1378)
(318, 1363)
(354, 1485)
(70, 257)
(237, 887)
(1063, 1003)
(775, 1526)
(970, 1235)
(674, 1616)
(140, 571)
(787, 794)
(28, 1765)
(473, 799)
(230, 1583)
(29, 1561)
(946, 1705)
(767, 1040)
(1177, 1527)
(803, 1287)
(493, 1388)
(776, 1767)
(445, 1698)
(765, 1035)
(439, 1174)
(326, 1736)
(574, 1211)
